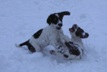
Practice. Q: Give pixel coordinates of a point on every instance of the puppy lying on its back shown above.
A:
(74, 48)
(77, 34)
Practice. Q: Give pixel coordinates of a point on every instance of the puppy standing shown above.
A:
(50, 35)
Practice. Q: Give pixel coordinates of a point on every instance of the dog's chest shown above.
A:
(55, 35)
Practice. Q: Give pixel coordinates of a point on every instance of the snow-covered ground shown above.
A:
(19, 19)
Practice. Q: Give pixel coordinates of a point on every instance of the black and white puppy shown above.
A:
(77, 34)
(73, 49)
(50, 35)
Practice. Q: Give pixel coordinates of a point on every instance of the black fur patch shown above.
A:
(52, 19)
(38, 33)
(66, 56)
(79, 32)
(72, 48)
(61, 14)
(30, 47)
(85, 36)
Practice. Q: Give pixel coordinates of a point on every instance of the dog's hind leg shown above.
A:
(30, 47)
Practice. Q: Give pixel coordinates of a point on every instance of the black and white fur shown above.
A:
(74, 48)
(77, 34)
(50, 35)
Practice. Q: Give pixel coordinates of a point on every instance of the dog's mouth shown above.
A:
(71, 29)
(58, 28)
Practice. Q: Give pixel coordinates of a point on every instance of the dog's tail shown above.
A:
(24, 43)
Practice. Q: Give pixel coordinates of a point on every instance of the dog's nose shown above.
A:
(60, 24)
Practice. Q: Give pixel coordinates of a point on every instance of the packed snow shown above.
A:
(20, 19)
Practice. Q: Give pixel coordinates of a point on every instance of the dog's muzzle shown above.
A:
(59, 26)
(72, 29)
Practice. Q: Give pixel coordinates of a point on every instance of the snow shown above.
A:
(19, 19)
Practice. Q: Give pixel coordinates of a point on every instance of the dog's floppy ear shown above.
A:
(61, 14)
(49, 19)
(86, 35)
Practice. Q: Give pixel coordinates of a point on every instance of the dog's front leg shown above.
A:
(59, 49)
(55, 44)
(64, 38)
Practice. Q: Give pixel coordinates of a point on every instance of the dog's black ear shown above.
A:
(86, 35)
(65, 13)
(61, 14)
(49, 19)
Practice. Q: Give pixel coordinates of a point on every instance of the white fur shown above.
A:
(77, 41)
(49, 36)
(64, 50)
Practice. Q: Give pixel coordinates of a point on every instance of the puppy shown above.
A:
(74, 48)
(77, 34)
(50, 35)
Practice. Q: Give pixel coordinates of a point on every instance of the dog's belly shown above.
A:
(80, 47)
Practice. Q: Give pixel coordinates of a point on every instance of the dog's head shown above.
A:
(55, 19)
(76, 31)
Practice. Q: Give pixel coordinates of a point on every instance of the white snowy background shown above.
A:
(19, 19)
